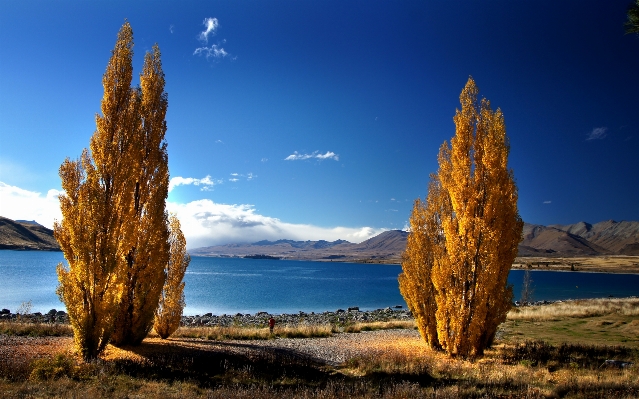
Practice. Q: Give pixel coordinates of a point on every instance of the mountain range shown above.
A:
(579, 239)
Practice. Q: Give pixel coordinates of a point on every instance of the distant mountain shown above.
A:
(392, 241)
(385, 247)
(302, 244)
(579, 239)
(26, 235)
(617, 237)
(547, 241)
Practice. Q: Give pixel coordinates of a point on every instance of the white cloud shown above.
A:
(214, 51)
(264, 159)
(300, 157)
(597, 133)
(206, 223)
(171, 28)
(547, 202)
(206, 182)
(211, 25)
(236, 176)
(20, 204)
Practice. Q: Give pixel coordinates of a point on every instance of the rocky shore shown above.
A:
(260, 319)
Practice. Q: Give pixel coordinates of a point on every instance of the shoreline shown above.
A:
(260, 319)
(610, 264)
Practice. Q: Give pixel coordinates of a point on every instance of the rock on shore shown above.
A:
(260, 319)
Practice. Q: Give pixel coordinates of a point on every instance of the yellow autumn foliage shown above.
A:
(169, 311)
(144, 268)
(114, 230)
(464, 239)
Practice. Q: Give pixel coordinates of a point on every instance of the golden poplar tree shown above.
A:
(471, 227)
(95, 233)
(114, 228)
(169, 311)
(143, 272)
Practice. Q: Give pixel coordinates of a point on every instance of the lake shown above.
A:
(232, 285)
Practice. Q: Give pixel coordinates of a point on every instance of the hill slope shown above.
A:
(617, 237)
(26, 235)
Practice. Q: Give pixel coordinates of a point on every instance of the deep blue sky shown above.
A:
(358, 95)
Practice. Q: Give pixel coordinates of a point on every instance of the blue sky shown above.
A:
(323, 120)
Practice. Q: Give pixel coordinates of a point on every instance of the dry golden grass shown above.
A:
(35, 329)
(392, 364)
(602, 264)
(575, 370)
(220, 333)
(401, 368)
(579, 309)
(380, 325)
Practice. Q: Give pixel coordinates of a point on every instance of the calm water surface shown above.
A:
(220, 285)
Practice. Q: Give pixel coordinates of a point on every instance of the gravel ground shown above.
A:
(340, 347)
(332, 350)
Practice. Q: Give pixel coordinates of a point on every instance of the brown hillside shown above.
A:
(551, 240)
(392, 241)
(616, 237)
(26, 235)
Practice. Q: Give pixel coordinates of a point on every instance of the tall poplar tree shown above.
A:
(169, 311)
(114, 229)
(144, 268)
(96, 232)
(463, 242)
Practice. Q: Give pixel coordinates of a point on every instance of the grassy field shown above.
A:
(551, 351)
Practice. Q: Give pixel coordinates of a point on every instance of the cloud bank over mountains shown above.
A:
(204, 222)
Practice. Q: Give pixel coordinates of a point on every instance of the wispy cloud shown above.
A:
(205, 223)
(547, 202)
(598, 133)
(296, 156)
(211, 25)
(214, 51)
(236, 177)
(206, 182)
(21, 204)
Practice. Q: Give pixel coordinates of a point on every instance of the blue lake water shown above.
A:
(223, 285)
